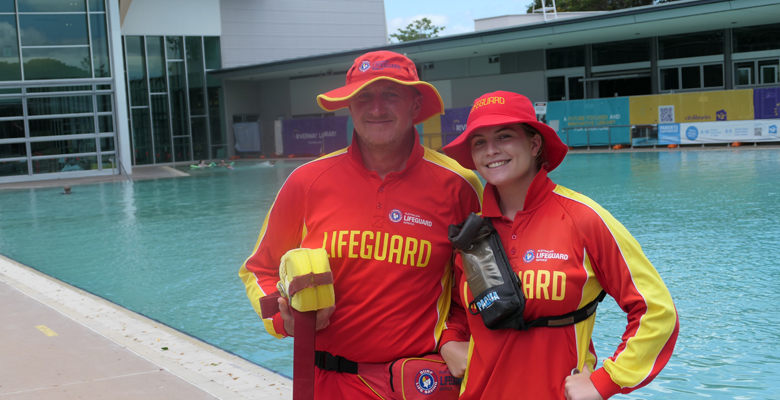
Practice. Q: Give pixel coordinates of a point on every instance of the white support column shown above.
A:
(120, 89)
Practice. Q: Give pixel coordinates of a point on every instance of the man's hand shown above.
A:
(456, 355)
(323, 317)
(579, 387)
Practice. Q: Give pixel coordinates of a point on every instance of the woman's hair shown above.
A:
(541, 156)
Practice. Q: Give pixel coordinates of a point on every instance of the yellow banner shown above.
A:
(724, 105)
(431, 137)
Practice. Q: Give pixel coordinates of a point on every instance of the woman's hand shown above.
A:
(323, 317)
(456, 355)
(579, 387)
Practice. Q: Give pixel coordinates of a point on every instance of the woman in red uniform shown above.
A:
(565, 250)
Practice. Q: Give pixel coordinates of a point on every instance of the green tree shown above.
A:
(594, 5)
(418, 29)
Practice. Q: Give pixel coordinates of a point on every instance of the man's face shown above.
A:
(383, 112)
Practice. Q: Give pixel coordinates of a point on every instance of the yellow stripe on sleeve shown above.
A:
(584, 329)
(444, 302)
(452, 165)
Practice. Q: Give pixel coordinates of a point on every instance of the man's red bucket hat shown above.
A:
(504, 108)
(371, 67)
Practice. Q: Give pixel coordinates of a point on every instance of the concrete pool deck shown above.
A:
(57, 341)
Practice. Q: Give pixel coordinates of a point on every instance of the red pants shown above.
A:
(331, 385)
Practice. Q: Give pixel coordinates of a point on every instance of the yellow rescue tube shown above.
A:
(306, 277)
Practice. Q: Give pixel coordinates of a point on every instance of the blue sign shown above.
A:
(669, 134)
(592, 122)
(691, 133)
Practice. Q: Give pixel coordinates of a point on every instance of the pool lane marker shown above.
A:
(46, 331)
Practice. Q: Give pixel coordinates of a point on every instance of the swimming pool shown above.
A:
(171, 248)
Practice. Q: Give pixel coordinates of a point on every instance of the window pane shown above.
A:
(690, 45)
(9, 49)
(768, 71)
(215, 114)
(97, 5)
(163, 153)
(181, 148)
(195, 77)
(11, 107)
(691, 77)
(53, 29)
(11, 129)
(744, 72)
(108, 161)
(10, 91)
(51, 6)
(74, 146)
(156, 62)
(106, 144)
(218, 152)
(621, 52)
(66, 164)
(213, 54)
(200, 144)
(713, 75)
(59, 105)
(178, 99)
(174, 44)
(576, 88)
(12, 150)
(54, 89)
(7, 6)
(104, 103)
(100, 59)
(105, 124)
(103, 87)
(57, 63)
(142, 136)
(669, 79)
(566, 57)
(14, 168)
(61, 126)
(136, 70)
(756, 38)
(556, 88)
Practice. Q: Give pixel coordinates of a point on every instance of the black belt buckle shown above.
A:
(328, 362)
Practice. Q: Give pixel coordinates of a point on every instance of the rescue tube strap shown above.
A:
(568, 319)
(270, 305)
(328, 362)
(309, 280)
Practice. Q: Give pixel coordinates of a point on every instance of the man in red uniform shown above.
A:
(380, 208)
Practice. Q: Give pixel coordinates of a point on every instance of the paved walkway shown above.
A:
(59, 342)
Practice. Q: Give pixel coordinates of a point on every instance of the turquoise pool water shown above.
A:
(171, 248)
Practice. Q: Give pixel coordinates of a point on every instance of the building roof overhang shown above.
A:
(663, 19)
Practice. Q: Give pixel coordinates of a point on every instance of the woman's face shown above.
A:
(505, 155)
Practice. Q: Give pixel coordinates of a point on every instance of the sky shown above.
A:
(457, 16)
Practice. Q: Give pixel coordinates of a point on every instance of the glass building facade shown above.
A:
(175, 107)
(57, 103)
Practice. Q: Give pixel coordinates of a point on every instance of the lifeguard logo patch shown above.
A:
(529, 256)
(395, 215)
(426, 381)
(364, 66)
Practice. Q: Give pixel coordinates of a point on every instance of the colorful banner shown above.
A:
(764, 130)
(593, 122)
(724, 105)
(453, 123)
(766, 103)
(314, 136)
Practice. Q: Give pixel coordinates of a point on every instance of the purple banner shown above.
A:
(314, 136)
(766, 103)
(453, 123)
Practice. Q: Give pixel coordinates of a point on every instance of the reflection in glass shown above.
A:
(744, 73)
(576, 88)
(156, 63)
(218, 151)
(73, 146)
(136, 70)
(12, 129)
(174, 47)
(756, 38)
(10, 91)
(195, 77)
(556, 88)
(690, 45)
(200, 144)
(103, 87)
(106, 144)
(7, 6)
(11, 107)
(64, 164)
(181, 148)
(691, 77)
(9, 49)
(213, 54)
(142, 136)
(105, 123)
(629, 51)
(59, 105)
(768, 71)
(163, 152)
(11, 168)
(51, 6)
(566, 57)
(61, 126)
(670, 79)
(56, 63)
(54, 89)
(215, 111)
(104, 103)
(108, 161)
(178, 96)
(12, 150)
(713, 75)
(96, 5)
(53, 29)
(100, 59)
